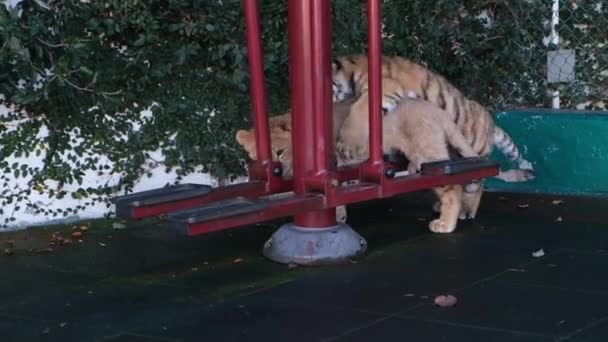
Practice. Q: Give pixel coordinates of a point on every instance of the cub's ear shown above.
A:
(244, 137)
(247, 140)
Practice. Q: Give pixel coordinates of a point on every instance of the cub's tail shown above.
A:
(505, 144)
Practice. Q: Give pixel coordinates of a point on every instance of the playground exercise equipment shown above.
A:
(314, 236)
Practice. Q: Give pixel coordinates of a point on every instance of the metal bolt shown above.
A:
(390, 172)
(277, 171)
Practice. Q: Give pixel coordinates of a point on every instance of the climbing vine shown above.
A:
(113, 88)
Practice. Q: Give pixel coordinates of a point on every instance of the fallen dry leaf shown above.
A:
(55, 238)
(102, 244)
(445, 301)
(82, 227)
(237, 260)
(559, 219)
(62, 324)
(523, 206)
(409, 295)
(118, 225)
(539, 253)
(292, 266)
(558, 202)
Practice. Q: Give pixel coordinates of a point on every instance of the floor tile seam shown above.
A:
(587, 326)
(351, 331)
(477, 282)
(16, 316)
(597, 252)
(503, 272)
(476, 327)
(542, 285)
(134, 334)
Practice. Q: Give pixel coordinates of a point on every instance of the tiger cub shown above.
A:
(474, 121)
(350, 79)
(280, 141)
(420, 130)
(280, 135)
(417, 128)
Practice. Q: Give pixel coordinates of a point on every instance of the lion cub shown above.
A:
(280, 141)
(419, 129)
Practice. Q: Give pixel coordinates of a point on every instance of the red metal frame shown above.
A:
(299, 204)
(374, 52)
(255, 57)
(310, 80)
(316, 182)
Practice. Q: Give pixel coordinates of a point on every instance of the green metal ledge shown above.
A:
(568, 148)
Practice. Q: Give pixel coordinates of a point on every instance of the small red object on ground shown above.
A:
(445, 301)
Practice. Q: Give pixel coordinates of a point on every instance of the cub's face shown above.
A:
(280, 141)
(342, 74)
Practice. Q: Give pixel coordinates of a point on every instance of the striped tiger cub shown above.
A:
(350, 78)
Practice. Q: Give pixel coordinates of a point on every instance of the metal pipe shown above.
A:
(374, 54)
(322, 80)
(255, 56)
(307, 148)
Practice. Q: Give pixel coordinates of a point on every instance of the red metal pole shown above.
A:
(322, 80)
(307, 76)
(255, 56)
(374, 54)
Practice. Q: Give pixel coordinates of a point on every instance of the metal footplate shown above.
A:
(453, 167)
(218, 210)
(125, 204)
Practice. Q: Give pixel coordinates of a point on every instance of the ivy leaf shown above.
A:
(42, 4)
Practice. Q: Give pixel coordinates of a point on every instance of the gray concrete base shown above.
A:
(314, 246)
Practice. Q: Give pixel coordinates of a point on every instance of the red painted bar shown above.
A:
(419, 182)
(299, 204)
(279, 208)
(374, 53)
(255, 55)
(249, 189)
(322, 89)
(302, 35)
(394, 186)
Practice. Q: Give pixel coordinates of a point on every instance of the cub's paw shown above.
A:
(438, 226)
(341, 214)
